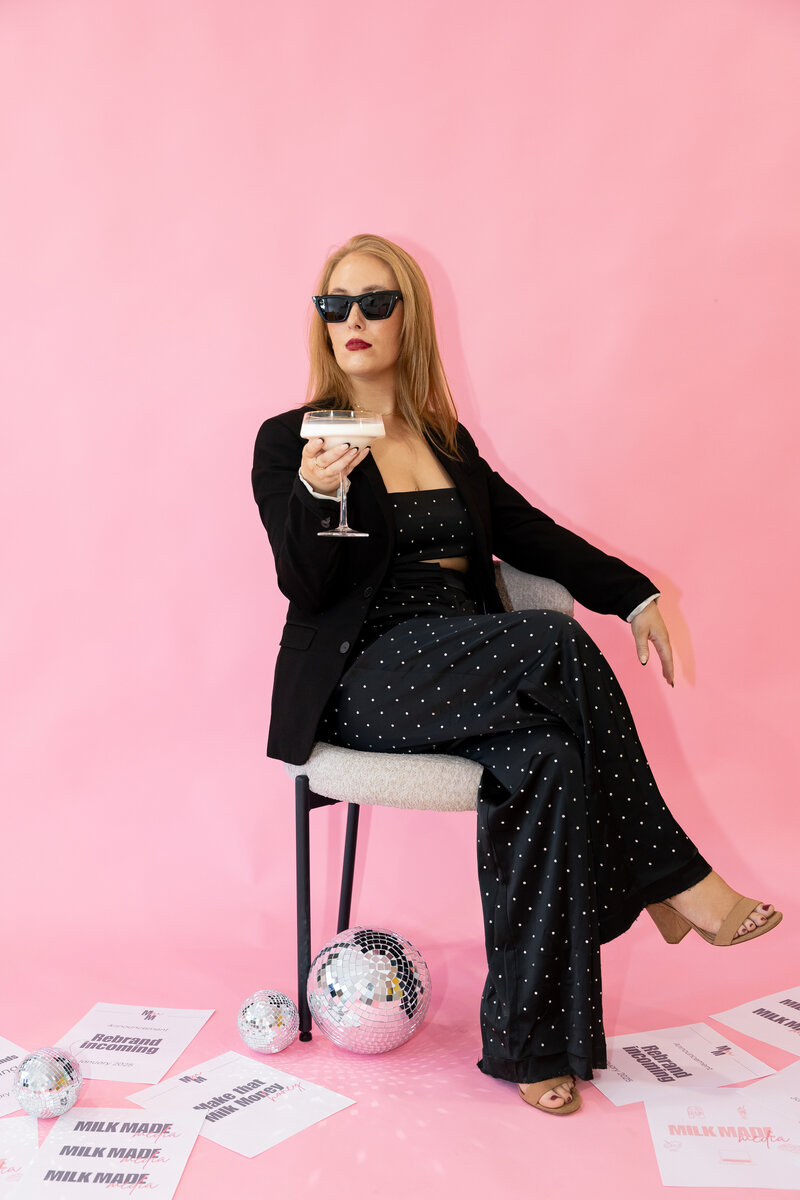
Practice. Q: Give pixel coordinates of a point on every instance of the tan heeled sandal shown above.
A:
(673, 927)
(547, 1085)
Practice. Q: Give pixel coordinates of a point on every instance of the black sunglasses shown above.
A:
(375, 306)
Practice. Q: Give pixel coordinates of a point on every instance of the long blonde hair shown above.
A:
(422, 393)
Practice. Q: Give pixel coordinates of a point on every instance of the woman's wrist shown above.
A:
(641, 607)
(319, 495)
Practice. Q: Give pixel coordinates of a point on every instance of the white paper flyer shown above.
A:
(248, 1106)
(722, 1139)
(10, 1055)
(92, 1150)
(782, 1091)
(668, 1059)
(19, 1146)
(773, 1019)
(132, 1043)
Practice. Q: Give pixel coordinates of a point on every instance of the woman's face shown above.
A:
(365, 350)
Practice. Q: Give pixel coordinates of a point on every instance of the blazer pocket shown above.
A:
(298, 637)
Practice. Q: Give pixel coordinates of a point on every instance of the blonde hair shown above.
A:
(423, 395)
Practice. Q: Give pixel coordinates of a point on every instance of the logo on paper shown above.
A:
(193, 1079)
(722, 1050)
(793, 1026)
(149, 1014)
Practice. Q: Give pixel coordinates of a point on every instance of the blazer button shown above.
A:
(325, 522)
(345, 646)
(368, 592)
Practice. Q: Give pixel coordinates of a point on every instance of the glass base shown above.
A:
(346, 532)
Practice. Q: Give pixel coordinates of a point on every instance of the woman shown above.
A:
(399, 641)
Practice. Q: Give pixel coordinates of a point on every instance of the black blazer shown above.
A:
(330, 582)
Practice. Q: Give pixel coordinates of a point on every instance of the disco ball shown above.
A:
(268, 1022)
(47, 1082)
(369, 990)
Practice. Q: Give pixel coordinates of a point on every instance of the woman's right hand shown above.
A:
(648, 626)
(322, 468)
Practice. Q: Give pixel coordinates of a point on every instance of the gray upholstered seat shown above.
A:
(438, 782)
(433, 781)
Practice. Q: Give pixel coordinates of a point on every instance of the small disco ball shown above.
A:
(369, 990)
(47, 1082)
(268, 1022)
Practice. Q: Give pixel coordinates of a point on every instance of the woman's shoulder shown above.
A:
(282, 426)
(291, 419)
(466, 444)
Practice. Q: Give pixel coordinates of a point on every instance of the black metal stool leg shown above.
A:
(348, 867)
(302, 808)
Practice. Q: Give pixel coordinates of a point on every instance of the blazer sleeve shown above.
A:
(527, 538)
(308, 567)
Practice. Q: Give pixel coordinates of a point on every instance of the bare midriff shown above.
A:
(450, 564)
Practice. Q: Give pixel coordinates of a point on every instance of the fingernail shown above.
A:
(643, 661)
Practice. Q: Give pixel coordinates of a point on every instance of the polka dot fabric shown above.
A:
(431, 524)
(574, 838)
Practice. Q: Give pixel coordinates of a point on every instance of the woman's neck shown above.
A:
(374, 398)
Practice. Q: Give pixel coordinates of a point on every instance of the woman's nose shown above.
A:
(355, 318)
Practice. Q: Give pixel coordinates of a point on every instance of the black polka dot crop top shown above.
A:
(430, 525)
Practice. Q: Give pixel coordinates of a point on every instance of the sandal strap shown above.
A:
(549, 1085)
(736, 917)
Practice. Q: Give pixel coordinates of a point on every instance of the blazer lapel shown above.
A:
(375, 496)
(463, 476)
(466, 480)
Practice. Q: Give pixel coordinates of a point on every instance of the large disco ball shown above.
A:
(268, 1022)
(369, 990)
(47, 1082)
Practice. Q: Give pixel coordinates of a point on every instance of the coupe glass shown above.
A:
(337, 427)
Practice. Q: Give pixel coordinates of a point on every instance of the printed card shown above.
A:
(722, 1139)
(19, 1147)
(137, 1045)
(92, 1150)
(247, 1106)
(10, 1056)
(773, 1019)
(781, 1090)
(667, 1059)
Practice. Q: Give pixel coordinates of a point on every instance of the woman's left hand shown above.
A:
(648, 626)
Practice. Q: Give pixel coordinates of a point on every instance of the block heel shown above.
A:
(673, 927)
(669, 923)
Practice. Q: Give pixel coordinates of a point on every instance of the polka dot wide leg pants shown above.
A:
(574, 838)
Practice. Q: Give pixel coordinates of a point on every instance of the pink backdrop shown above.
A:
(604, 198)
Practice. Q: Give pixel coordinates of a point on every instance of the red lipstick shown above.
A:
(357, 344)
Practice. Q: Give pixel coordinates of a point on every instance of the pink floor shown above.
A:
(425, 1122)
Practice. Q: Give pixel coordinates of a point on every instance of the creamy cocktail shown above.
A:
(361, 431)
(340, 427)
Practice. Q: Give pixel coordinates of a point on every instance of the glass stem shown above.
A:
(342, 504)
